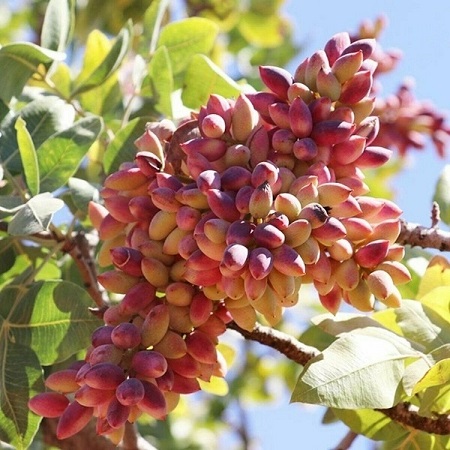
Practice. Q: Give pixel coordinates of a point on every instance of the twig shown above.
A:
(417, 235)
(347, 441)
(284, 343)
(407, 415)
(301, 354)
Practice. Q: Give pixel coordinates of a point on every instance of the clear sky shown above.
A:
(420, 30)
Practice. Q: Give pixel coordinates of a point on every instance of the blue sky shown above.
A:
(420, 30)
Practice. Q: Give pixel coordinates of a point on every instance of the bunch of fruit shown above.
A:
(224, 218)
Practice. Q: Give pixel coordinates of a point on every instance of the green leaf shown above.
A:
(50, 317)
(343, 322)
(20, 378)
(204, 78)
(109, 64)
(82, 192)
(18, 62)
(58, 24)
(435, 399)
(316, 337)
(153, 19)
(186, 38)
(44, 117)
(372, 424)
(417, 440)
(7, 254)
(122, 148)
(28, 156)
(437, 274)
(442, 194)
(437, 375)
(356, 371)
(160, 78)
(421, 324)
(262, 30)
(35, 215)
(60, 155)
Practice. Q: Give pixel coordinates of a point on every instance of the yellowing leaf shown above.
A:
(437, 375)
(217, 386)
(437, 274)
(228, 352)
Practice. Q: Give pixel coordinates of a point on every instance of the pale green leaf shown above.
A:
(372, 424)
(82, 192)
(28, 156)
(420, 323)
(356, 371)
(186, 38)
(160, 78)
(58, 24)
(438, 301)
(122, 148)
(44, 116)
(51, 317)
(418, 440)
(35, 216)
(204, 78)
(343, 322)
(437, 375)
(19, 61)
(437, 274)
(414, 372)
(20, 379)
(109, 64)
(153, 19)
(216, 386)
(435, 399)
(442, 194)
(60, 156)
(262, 30)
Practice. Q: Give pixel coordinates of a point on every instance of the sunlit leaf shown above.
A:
(57, 27)
(435, 399)
(216, 386)
(160, 79)
(44, 116)
(437, 274)
(153, 19)
(417, 322)
(356, 371)
(51, 317)
(122, 147)
(204, 78)
(343, 322)
(372, 424)
(60, 156)
(35, 216)
(437, 375)
(28, 156)
(186, 38)
(20, 378)
(109, 64)
(262, 30)
(418, 440)
(442, 194)
(18, 62)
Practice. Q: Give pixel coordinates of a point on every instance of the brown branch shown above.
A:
(302, 353)
(347, 441)
(284, 343)
(79, 249)
(406, 415)
(417, 235)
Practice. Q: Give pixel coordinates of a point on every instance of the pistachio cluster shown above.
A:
(224, 218)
